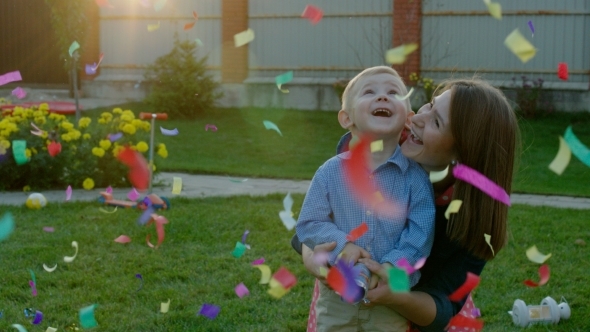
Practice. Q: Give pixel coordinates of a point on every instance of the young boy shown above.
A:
(330, 210)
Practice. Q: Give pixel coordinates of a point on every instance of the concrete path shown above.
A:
(213, 185)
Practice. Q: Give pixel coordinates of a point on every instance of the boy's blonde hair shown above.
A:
(350, 90)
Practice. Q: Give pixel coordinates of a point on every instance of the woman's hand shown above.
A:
(379, 292)
(313, 265)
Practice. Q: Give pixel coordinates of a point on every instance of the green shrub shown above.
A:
(86, 151)
(180, 84)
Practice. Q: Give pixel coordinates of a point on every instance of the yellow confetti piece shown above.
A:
(323, 271)
(398, 97)
(521, 47)
(377, 146)
(535, 256)
(176, 185)
(153, 27)
(265, 270)
(51, 329)
(438, 176)
(164, 306)
(453, 207)
(49, 269)
(69, 259)
(398, 55)
(494, 8)
(244, 37)
(107, 211)
(562, 159)
(488, 238)
(278, 291)
(378, 197)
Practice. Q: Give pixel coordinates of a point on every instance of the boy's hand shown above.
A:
(352, 253)
(375, 279)
(312, 264)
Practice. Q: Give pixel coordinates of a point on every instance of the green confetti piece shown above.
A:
(398, 280)
(284, 78)
(6, 226)
(19, 327)
(73, 48)
(33, 276)
(19, 148)
(87, 319)
(239, 250)
(269, 125)
(578, 148)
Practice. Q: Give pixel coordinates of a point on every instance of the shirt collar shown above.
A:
(397, 158)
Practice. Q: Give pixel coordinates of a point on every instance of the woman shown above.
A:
(471, 123)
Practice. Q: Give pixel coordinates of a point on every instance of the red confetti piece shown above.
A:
(139, 174)
(463, 321)
(357, 232)
(189, 26)
(54, 148)
(562, 71)
(159, 221)
(285, 278)
(336, 280)
(313, 14)
(123, 239)
(470, 283)
(195, 15)
(544, 277)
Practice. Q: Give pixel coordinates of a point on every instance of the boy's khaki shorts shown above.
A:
(334, 314)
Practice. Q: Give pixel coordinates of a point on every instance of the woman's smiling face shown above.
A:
(431, 142)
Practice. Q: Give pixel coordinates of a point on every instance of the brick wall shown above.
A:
(234, 60)
(407, 28)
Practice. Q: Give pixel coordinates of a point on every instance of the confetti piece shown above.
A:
(69, 259)
(238, 180)
(169, 132)
(73, 48)
(69, 193)
(6, 226)
(258, 261)
(104, 3)
(213, 128)
(313, 14)
(494, 8)
(476, 312)
(398, 97)
(138, 276)
(176, 185)
(91, 69)
(398, 280)
(521, 47)
(209, 310)
(403, 263)
(562, 71)
(86, 315)
(239, 250)
(532, 27)
(470, 283)
(397, 56)
(244, 37)
(453, 207)
(12, 76)
(466, 322)
(244, 236)
(146, 215)
(543, 276)
(159, 4)
(269, 125)
(189, 26)
(285, 278)
(159, 221)
(535, 256)
(195, 16)
(107, 211)
(153, 27)
(18, 150)
(123, 239)
(438, 176)
(133, 195)
(283, 79)
(265, 271)
(33, 287)
(37, 131)
(488, 238)
(51, 329)
(19, 93)
(578, 148)
(115, 137)
(357, 232)
(277, 291)
(33, 276)
(38, 317)
(49, 229)
(481, 182)
(287, 215)
(336, 280)
(139, 174)
(109, 190)
(377, 146)
(165, 306)
(54, 148)
(562, 159)
(199, 42)
(241, 290)
(49, 269)
(19, 327)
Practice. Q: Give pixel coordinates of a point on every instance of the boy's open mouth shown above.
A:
(381, 112)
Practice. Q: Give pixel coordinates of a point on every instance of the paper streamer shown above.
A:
(123, 239)
(244, 37)
(313, 14)
(176, 185)
(19, 93)
(265, 273)
(398, 97)
(470, 283)
(6, 226)
(241, 290)
(12, 76)
(397, 56)
(69, 259)
(453, 207)
(521, 47)
(210, 126)
(37, 131)
(159, 221)
(139, 173)
(532, 27)
(165, 306)
(357, 232)
(287, 215)
(239, 250)
(438, 176)
(578, 148)
(398, 280)
(19, 327)
(481, 182)
(19, 148)
(535, 256)
(86, 315)
(107, 211)
(466, 322)
(244, 236)
(33, 287)
(543, 276)
(403, 263)
(153, 27)
(73, 47)
(169, 132)
(49, 269)
(69, 193)
(138, 276)
(488, 238)
(283, 79)
(269, 125)
(562, 72)
(562, 159)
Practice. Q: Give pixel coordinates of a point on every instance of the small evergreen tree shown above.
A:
(180, 83)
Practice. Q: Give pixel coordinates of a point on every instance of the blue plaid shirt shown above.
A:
(330, 211)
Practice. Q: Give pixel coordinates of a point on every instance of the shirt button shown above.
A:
(368, 212)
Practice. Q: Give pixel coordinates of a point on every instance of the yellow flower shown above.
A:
(163, 153)
(102, 121)
(142, 146)
(75, 134)
(99, 152)
(137, 123)
(146, 125)
(128, 112)
(129, 129)
(105, 144)
(126, 117)
(5, 143)
(67, 125)
(44, 107)
(84, 122)
(28, 153)
(66, 137)
(88, 184)
(86, 136)
(116, 150)
(26, 188)
(117, 110)
(40, 120)
(153, 168)
(34, 150)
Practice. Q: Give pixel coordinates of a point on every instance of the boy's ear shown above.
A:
(344, 119)
(408, 124)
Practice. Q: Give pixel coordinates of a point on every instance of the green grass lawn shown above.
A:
(243, 147)
(194, 266)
